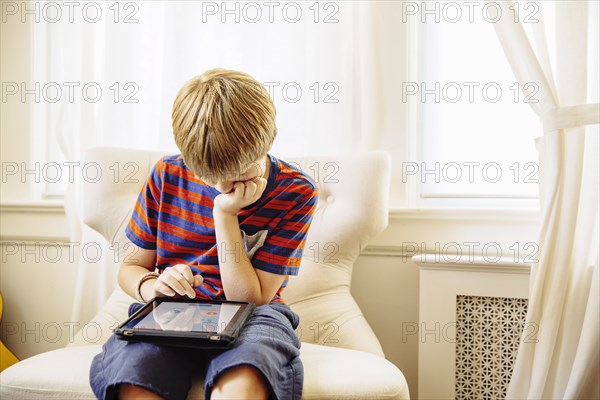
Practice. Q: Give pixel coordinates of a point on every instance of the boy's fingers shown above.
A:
(185, 271)
(186, 286)
(263, 184)
(198, 279)
(260, 186)
(251, 187)
(238, 189)
(174, 283)
(164, 289)
(183, 275)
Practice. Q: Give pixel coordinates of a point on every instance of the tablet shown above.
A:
(189, 323)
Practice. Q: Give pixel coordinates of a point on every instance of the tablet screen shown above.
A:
(188, 317)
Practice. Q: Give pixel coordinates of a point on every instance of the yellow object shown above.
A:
(7, 358)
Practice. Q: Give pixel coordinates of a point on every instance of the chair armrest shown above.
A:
(101, 327)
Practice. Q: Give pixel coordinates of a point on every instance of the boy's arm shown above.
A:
(177, 280)
(142, 231)
(137, 262)
(241, 282)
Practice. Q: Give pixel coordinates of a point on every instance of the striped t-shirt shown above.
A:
(174, 216)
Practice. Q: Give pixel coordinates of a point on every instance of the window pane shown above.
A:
(475, 127)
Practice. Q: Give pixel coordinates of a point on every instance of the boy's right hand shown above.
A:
(177, 280)
(241, 195)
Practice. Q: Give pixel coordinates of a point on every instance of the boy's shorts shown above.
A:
(267, 342)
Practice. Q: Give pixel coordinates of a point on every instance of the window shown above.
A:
(123, 63)
(474, 127)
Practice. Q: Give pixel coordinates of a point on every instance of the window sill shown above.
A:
(38, 222)
(465, 214)
(46, 206)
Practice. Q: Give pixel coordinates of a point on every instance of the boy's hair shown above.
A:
(223, 121)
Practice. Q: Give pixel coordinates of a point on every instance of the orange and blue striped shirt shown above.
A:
(173, 215)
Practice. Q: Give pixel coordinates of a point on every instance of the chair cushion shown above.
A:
(59, 374)
(336, 373)
(330, 373)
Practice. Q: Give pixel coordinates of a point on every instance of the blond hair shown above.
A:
(223, 121)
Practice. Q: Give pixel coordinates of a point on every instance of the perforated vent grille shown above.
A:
(488, 330)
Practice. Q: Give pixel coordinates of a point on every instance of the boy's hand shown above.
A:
(176, 280)
(243, 194)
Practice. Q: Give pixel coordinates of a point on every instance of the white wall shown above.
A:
(387, 290)
(14, 124)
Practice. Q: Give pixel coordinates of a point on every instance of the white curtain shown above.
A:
(318, 60)
(560, 360)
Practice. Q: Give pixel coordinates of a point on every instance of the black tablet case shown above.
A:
(208, 340)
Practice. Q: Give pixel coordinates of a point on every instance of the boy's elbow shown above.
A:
(266, 298)
(262, 301)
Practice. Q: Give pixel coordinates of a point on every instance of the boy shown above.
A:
(224, 219)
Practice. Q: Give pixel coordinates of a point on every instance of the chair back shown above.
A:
(352, 208)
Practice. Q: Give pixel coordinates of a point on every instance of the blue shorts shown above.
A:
(267, 342)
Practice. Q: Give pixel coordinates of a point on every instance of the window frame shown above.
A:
(416, 197)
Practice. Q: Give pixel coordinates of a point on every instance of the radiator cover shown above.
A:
(488, 332)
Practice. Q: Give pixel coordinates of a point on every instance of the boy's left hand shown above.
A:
(243, 194)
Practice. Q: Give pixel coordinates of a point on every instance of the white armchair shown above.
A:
(342, 356)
